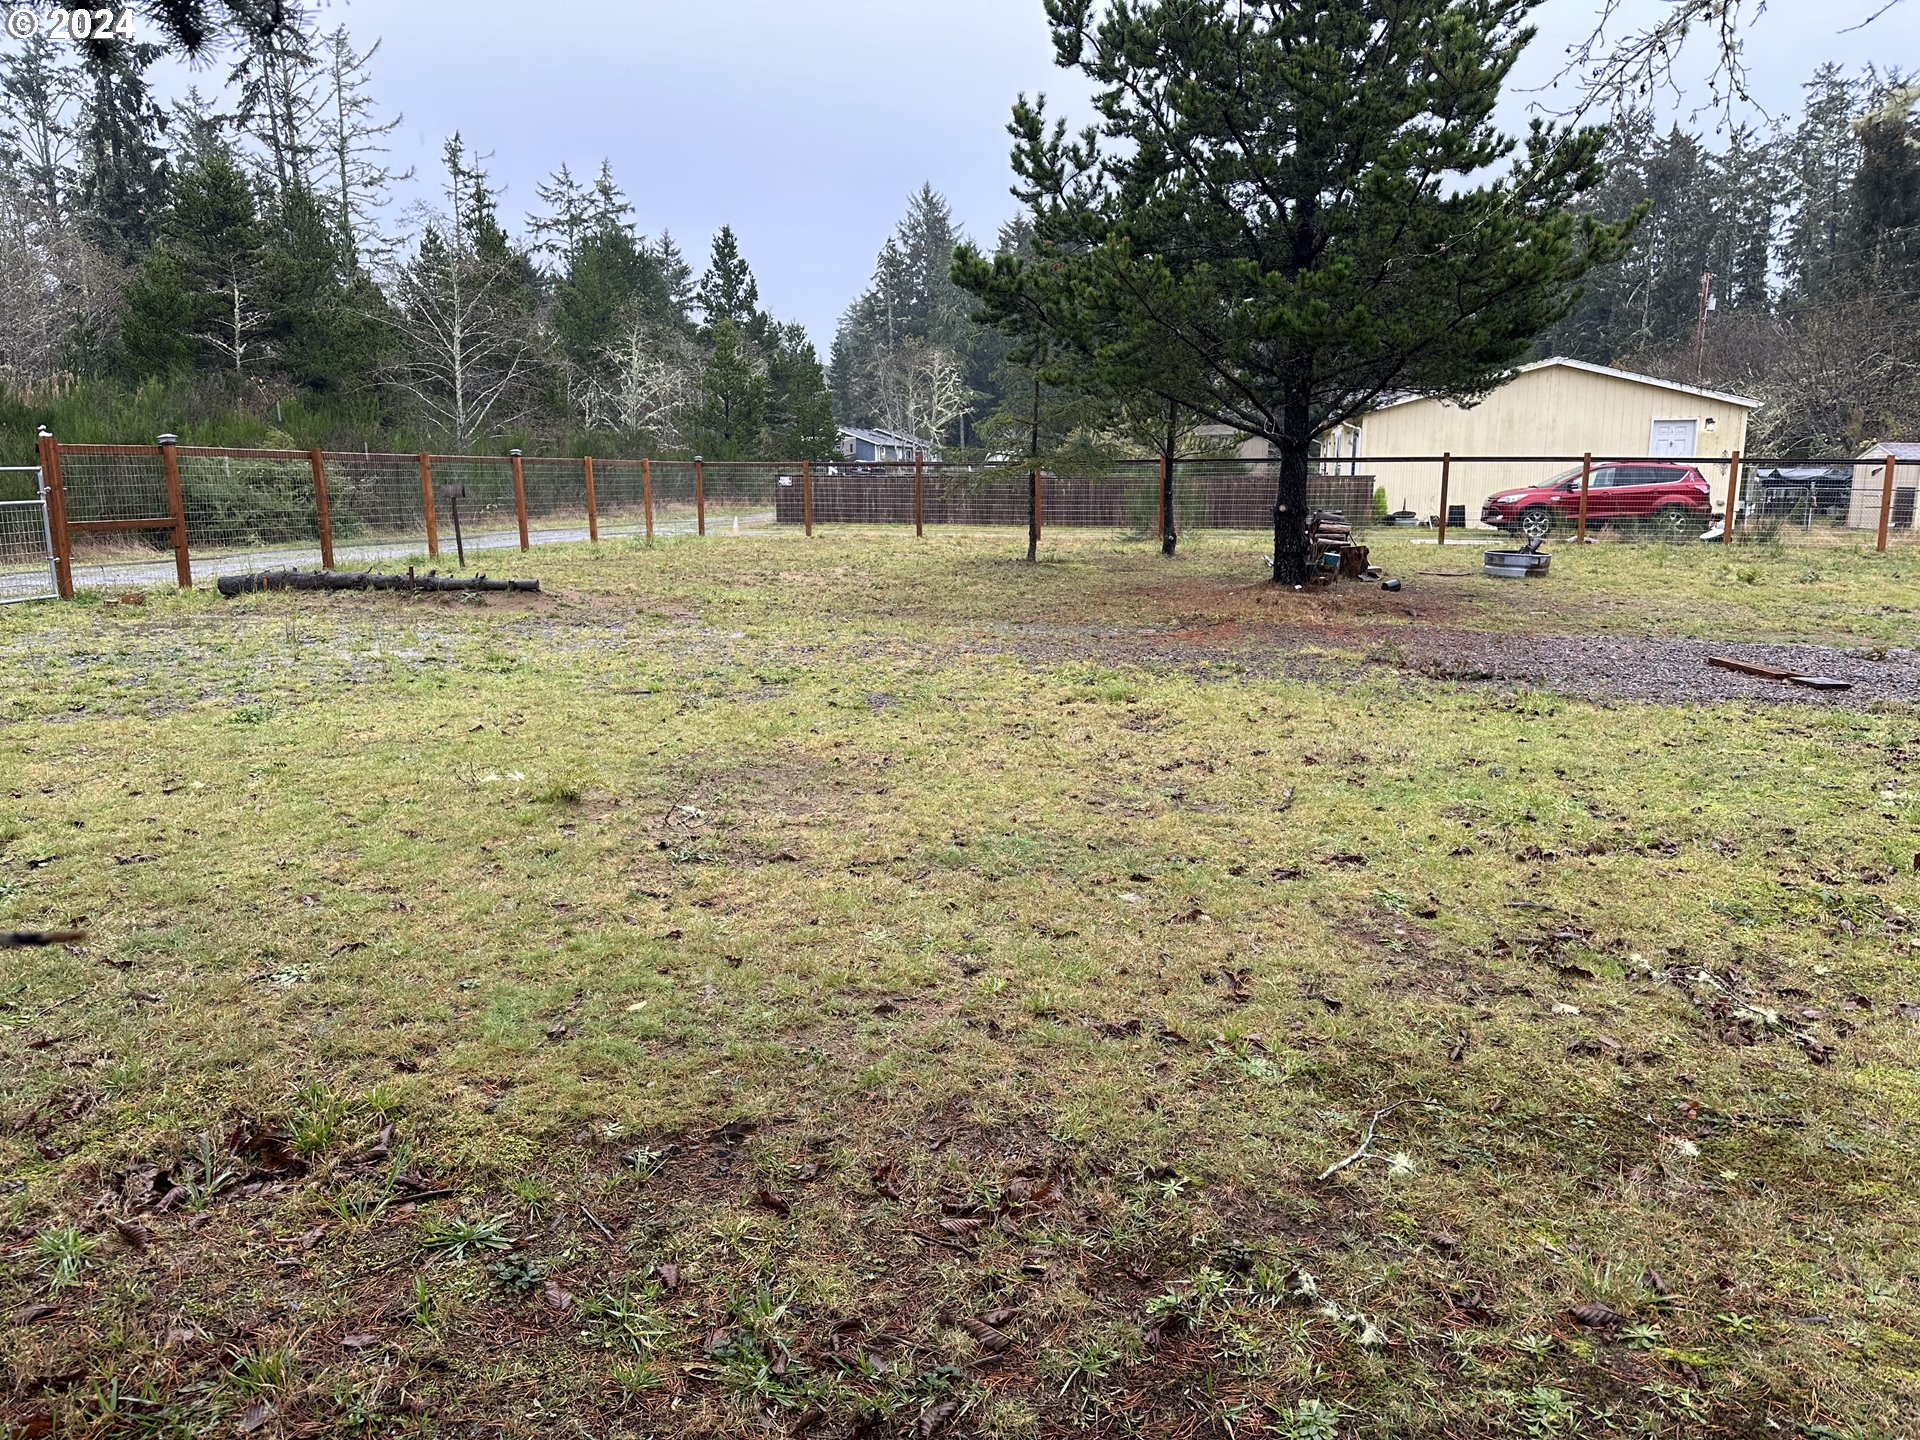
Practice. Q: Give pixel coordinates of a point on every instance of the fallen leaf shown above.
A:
(34, 1314)
(1346, 860)
(986, 1336)
(963, 1224)
(254, 1416)
(136, 1236)
(669, 1274)
(1595, 1314)
(776, 1203)
(557, 1298)
(557, 1030)
(360, 1340)
(1286, 872)
(936, 1418)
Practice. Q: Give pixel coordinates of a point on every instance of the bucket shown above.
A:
(1516, 564)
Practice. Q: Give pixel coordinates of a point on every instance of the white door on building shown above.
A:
(1673, 437)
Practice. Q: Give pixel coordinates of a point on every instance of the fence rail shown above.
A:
(139, 515)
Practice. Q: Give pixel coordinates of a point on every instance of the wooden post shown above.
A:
(426, 499)
(321, 512)
(919, 494)
(1733, 498)
(646, 494)
(519, 495)
(806, 494)
(1586, 483)
(1446, 472)
(57, 515)
(700, 494)
(1886, 504)
(593, 507)
(177, 508)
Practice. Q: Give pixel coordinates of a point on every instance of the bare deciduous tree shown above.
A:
(651, 384)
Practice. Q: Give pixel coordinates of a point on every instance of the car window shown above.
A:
(1606, 477)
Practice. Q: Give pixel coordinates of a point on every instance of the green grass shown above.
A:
(766, 985)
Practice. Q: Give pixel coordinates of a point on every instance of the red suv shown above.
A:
(1673, 500)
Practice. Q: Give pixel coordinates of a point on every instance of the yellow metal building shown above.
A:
(1551, 407)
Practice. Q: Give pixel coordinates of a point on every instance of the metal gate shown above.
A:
(27, 570)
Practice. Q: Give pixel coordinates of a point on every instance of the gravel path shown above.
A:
(1591, 667)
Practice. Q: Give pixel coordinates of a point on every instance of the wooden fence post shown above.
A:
(646, 494)
(426, 500)
(1586, 483)
(177, 508)
(519, 495)
(56, 514)
(700, 493)
(1733, 498)
(919, 494)
(1886, 504)
(321, 511)
(1446, 473)
(593, 507)
(806, 494)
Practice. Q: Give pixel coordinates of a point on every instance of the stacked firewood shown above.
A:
(1331, 549)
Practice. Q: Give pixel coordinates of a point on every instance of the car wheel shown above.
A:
(1670, 522)
(1536, 522)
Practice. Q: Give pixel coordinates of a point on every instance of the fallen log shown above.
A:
(231, 585)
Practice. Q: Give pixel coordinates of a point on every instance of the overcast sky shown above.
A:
(805, 124)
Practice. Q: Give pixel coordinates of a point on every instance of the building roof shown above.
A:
(1743, 401)
(1898, 449)
(879, 437)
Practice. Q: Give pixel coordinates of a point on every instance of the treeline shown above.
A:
(1810, 226)
(228, 267)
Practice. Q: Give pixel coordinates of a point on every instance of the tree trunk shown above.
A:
(1168, 538)
(1290, 501)
(1033, 517)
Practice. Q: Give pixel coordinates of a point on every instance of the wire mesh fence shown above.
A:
(26, 550)
(136, 515)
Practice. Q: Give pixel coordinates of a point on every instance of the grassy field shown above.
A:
(860, 987)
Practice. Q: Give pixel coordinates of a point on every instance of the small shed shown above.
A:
(1863, 509)
(1551, 407)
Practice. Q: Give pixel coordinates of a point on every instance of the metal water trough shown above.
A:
(1516, 564)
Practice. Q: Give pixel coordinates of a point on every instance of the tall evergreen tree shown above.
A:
(1821, 156)
(733, 409)
(214, 228)
(353, 161)
(322, 313)
(40, 95)
(1286, 214)
(123, 170)
(728, 290)
(1884, 198)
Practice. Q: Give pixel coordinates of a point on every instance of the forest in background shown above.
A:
(230, 268)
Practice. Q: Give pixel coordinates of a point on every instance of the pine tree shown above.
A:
(732, 419)
(799, 404)
(123, 171)
(1884, 198)
(567, 220)
(1289, 212)
(1822, 155)
(40, 95)
(728, 291)
(278, 78)
(214, 229)
(357, 176)
(160, 312)
(609, 208)
(321, 313)
(676, 278)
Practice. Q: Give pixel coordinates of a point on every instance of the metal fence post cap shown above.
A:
(512, 453)
(169, 439)
(44, 432)
(700, 457)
